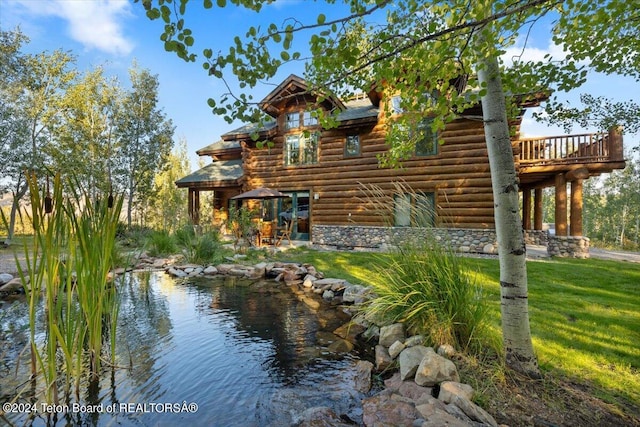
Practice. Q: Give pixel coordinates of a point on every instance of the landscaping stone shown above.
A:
(410, 359)
(392, 333)
(434, 369)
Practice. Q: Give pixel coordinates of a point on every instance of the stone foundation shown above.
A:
(381, 238)
(568, 246)
(536, 237)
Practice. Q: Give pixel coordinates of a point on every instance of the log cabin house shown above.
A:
(324, 172)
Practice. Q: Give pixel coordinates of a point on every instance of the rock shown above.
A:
(362, 380)
(410, 359)
(450, 389)
(349, 331)
(414, 391)
(394, 382)
(386, 409)
(340, 346)
(321, 417)
(210, 270)
(5, 278)
(355, 294)
(414, 340)
(308, 281)
(435, 369)
(473, 411)
(383, 359)
(328, 295)
(395, 349)
(391, 333)
(446, 350)
(12, 286)
(175, 272)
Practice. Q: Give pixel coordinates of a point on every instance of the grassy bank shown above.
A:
(584, 314)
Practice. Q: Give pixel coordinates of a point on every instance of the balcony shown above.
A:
(540, 159)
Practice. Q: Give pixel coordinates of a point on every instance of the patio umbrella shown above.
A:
(260, 193)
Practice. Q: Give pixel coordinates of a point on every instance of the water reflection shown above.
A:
(245, 352)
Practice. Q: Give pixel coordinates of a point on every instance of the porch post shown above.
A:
(537, 209)
(526, 208)
(561, 205)
(193, 204)
(576, 208)
(615, 144)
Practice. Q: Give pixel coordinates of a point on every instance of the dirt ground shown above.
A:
(517, 401)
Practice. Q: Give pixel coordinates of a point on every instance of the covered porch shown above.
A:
(223, 178)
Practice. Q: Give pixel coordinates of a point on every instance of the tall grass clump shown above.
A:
(428, 288)
(67, 273)
(422, 282)
(199, 246)
(160, 242)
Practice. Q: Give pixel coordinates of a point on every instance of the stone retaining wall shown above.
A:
(381, 238)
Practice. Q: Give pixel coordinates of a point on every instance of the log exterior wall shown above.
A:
(458, 175)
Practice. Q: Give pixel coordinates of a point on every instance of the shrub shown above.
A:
(162, 243)
(428, 287)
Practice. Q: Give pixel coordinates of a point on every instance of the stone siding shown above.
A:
(568, 246)
(536, 237)
(381, 238)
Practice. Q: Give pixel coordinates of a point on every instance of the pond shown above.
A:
(202, 352)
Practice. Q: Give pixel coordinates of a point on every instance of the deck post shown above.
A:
(537, 209)
(616, 148)
(561, 205)
(194, 206)
(526, 208)
(576, 208)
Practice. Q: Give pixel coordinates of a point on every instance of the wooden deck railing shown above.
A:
(584, 148)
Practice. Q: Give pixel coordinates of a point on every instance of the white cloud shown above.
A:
(97, 24)
(521, 52)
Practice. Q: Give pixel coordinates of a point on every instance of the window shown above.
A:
(427, 143)
(308, 119)
(352, 146)
(300, 149)
(414, 210)
(292, 120)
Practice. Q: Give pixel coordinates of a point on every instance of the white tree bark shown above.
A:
(512, 250)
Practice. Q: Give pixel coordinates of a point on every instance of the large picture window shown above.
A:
(414, 210)
(300, 149)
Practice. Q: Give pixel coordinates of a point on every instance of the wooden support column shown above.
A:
(194, 206)
(526, 208)
(576, 208)
(561, 205)
(537, 209)
(616, 149)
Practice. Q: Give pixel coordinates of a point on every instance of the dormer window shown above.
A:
(297, 119)
(292, 120)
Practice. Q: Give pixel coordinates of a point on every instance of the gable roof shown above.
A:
(292, 87)
(223, 173)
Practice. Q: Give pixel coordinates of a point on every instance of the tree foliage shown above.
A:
(55, 119)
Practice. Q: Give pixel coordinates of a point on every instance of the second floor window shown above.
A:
(298, 119)
(300, 149)
(352, 146)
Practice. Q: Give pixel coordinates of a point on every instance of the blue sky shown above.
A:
(114, 33)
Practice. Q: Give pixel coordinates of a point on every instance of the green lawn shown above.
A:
(584, 314)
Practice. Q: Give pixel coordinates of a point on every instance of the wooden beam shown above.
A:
(577, 174)
(576, 208)
(561, 205)
(537, 209)
(526, 208)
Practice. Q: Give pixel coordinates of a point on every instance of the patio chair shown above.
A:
(285, 232)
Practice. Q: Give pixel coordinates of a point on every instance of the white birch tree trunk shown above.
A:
(512, 250)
